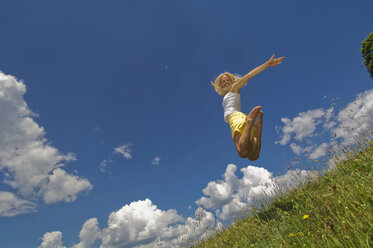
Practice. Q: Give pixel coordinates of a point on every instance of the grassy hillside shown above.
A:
(334, 210)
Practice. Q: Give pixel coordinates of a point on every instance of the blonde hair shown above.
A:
(222, 91)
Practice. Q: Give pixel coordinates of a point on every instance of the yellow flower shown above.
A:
(306, 216)
(316, 161)
(291, 235)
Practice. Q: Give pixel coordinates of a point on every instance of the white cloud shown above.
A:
(156, 161)
(193, 229)
(356, 119)
(124, 150)
(140, 222)
(302, 126)
(143, 224)
(52, 240)
(30, 165)
(233, 195)
(296, 148)
(350, 123)
(220, 192)
(64, 187)
(320, 151)
(89, 234)
(11, 205)
(313, 151)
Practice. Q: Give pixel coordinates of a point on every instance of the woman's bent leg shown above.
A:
(242, 141)
(257, 140)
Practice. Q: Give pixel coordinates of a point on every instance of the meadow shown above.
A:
(334, 209)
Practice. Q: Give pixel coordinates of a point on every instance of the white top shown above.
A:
(231, 104)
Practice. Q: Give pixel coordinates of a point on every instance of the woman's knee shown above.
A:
(243, 153)
(253, 156)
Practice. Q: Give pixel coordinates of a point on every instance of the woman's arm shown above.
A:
(271, 62)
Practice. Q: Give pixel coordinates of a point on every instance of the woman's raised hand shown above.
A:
(273, 62)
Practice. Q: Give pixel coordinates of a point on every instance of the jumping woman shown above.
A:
(246, 129)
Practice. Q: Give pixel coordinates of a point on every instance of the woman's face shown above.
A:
(225, 81)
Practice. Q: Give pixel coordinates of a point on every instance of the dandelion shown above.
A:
(291, 235)
(306, 216)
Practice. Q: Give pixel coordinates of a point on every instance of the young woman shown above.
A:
(246, 132)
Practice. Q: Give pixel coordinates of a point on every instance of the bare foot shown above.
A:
(253, 114)
(259, 123)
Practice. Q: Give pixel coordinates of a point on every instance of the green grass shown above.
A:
(333, 210)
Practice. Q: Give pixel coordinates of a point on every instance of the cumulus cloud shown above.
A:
(30, 165)
(232, 195)
(355, 120)
(124, 150)
(52, 240)
(89, 234)
(301, 126)
(11, 205)
(140, 222)
(219, 192)
(63, 186)
(143, 224)
(193, 229)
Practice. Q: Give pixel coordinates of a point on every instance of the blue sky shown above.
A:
(120, 109)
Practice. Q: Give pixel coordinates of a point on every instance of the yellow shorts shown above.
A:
(237, 122)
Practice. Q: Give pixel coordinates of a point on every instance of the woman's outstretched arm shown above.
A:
(271, 62)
